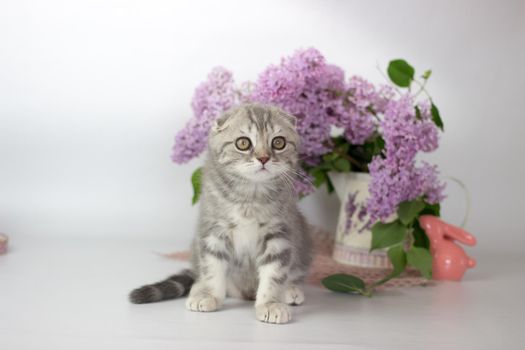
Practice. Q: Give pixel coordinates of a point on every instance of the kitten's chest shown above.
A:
(247, 229)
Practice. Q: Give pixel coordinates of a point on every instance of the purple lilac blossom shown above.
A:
(358, 119)
(404, 134)
(429, 183)
(303, 85)
(359, 109)
(389, 186)
(211, 98)
(395, 175)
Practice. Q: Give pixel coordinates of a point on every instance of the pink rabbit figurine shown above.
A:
(449, 260)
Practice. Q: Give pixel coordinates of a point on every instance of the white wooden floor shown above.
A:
(72, 294)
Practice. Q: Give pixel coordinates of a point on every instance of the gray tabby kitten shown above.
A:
(252, 242)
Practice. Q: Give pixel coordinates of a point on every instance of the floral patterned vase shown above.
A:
(353, 236)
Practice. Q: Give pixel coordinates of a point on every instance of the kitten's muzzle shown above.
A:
(263, 159)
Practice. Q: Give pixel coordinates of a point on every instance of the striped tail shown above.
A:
(172, 287)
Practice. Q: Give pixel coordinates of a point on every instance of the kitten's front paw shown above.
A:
(202, 303)
(273, 313)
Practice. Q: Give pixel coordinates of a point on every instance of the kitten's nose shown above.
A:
(263, 159)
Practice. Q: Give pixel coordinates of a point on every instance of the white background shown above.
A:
(92, 93)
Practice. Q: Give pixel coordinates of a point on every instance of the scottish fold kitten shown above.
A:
(252, 242)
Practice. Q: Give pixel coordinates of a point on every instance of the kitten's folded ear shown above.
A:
(288, 117)
(221, 123)
(291, 118)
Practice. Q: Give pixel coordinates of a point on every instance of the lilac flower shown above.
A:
(428, 133)
(190, 141)
(211, 98)
(358, 111)
(392, 184)
(215, 95)
(384, 95)
(385, 188)
(429, 184)
(284, 83)
(404, 134)
(395, 176)
(302, 85)
(358, 119)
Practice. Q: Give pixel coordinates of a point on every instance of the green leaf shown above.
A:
(436, 117)
(408, 211)
(400, 72)
(325, 166)
(339, 140)
(379, 145)
(342, 283)
(426, 74)
(330, 157)
(418, 113)
(197, 185)
(421, 259)
(329, 185)
(398, 259)
(319, 177)
(342, 164)
(370, 109)
(420, 236)
(387, 235)
(431, 209)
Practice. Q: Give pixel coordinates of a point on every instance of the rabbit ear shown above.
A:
(433, 227)
(459, 234)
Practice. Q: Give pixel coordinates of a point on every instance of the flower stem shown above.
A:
(421, 89)
(352, 160)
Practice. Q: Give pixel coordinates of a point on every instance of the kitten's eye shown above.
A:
(243, 143)
(278, 142)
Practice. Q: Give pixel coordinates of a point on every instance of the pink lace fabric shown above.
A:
(324, 265)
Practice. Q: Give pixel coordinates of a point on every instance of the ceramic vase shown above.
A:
(353, 236)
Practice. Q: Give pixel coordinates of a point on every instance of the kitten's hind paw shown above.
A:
(202, 303)
(273, 313)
